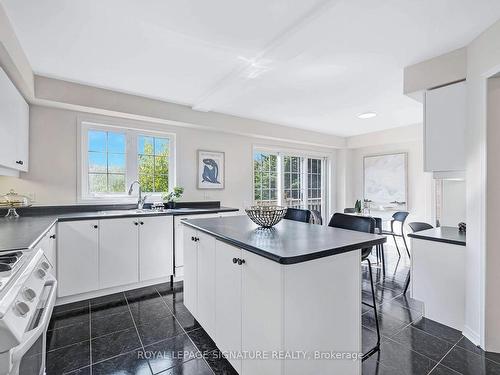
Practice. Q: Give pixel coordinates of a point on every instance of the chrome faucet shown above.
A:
(141, 199)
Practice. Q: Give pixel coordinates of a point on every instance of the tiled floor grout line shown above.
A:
(185, 332)
(441, 360)
(137, 331)
(90, 338)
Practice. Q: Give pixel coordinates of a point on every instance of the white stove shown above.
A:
(27, 297)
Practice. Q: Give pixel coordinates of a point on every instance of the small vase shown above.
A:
(170, 205)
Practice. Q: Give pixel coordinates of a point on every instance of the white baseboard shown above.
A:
(103, 292)
(471, 335)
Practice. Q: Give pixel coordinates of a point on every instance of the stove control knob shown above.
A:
(41, 273)
(22, 308)
(45, 265)
(29, 294)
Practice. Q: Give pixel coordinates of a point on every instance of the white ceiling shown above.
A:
(312, 64)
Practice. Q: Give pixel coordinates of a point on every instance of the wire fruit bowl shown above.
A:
(266, 216)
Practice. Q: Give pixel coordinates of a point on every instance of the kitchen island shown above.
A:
(285, 300)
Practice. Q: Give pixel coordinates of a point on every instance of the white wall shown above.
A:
(453, 209)
(52, 178)
(405, 139)
(483, 61)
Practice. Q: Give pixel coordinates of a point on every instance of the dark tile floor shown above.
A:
(150, 331)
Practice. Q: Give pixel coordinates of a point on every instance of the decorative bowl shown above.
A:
(266, 216)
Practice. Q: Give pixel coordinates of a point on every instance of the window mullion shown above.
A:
(279, 178)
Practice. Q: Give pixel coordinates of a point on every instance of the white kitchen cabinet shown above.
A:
(77, 257)
(190, 249)
(228, 323)
(179, 238)
(206, 281)
(118, 252)
(14, 126)
(156, 247)
(444, 128)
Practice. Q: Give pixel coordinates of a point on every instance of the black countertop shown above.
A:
(24, 232)
(289, 241)
(449, 235)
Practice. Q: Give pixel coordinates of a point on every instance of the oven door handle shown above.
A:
(31, 336)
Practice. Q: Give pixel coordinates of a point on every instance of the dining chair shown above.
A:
(415, 226)
(361, 224)
(399, 217)
(298, 214)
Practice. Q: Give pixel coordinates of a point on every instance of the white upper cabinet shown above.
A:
(444, 128)
(14, 127)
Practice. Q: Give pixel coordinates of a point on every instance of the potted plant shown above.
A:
(172, 197)
(357, 206)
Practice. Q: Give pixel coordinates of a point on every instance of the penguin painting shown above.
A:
(210, 171)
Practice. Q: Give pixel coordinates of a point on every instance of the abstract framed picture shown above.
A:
(385, 181)
(211, 169)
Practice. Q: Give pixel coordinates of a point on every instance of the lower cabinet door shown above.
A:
(77, 257)
(118, 252)
(228, 301)
(156, 246)
(262, 313)
(190, 248)
(206, 282)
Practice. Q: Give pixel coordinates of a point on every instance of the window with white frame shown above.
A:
(292, 180)
(113, 157)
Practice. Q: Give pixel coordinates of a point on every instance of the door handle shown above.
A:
(20, 162)
(52, 236)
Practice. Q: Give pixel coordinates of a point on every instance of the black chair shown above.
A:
(415, 226)
(400, 217)
(349, 210)
(361, 224)
(297, 214)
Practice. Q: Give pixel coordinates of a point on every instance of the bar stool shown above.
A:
(361, 224)
(400, 217)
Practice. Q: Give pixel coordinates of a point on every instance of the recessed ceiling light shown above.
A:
(367, 115)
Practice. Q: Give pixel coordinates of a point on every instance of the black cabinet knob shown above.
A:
(192, 238)
(241, 261)
(52, 236)
(235, 260)
(196, 239)
(95, 226)
(136, 223)
(142, 222)
(20, 162)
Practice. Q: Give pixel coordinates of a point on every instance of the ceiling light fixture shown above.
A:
(367, 115)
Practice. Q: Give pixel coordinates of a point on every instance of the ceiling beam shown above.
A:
(208, 99)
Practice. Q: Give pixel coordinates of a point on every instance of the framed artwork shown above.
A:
(211, 169)
(385, 181)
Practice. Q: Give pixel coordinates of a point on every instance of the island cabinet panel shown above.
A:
(118, 252)
(77, 257)
(206, 281)
(190, 250)
(228, 304)
(262, 292)
(156, 242)
(322, 314)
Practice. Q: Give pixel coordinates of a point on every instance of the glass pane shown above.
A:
(96, 141)
(116, 163)
(116, 142)
(97, 162)
(161, 165)
(295, 164)
(257, 195)
(146, 181)
(274, 194)
(161, 146)
(145, 145)
(161, 183)
(97, 183)
(146, 164)
(265, 180)
(273, 182)
(116, 183)
(265, 194)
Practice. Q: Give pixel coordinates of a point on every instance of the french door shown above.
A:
(291, 180)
